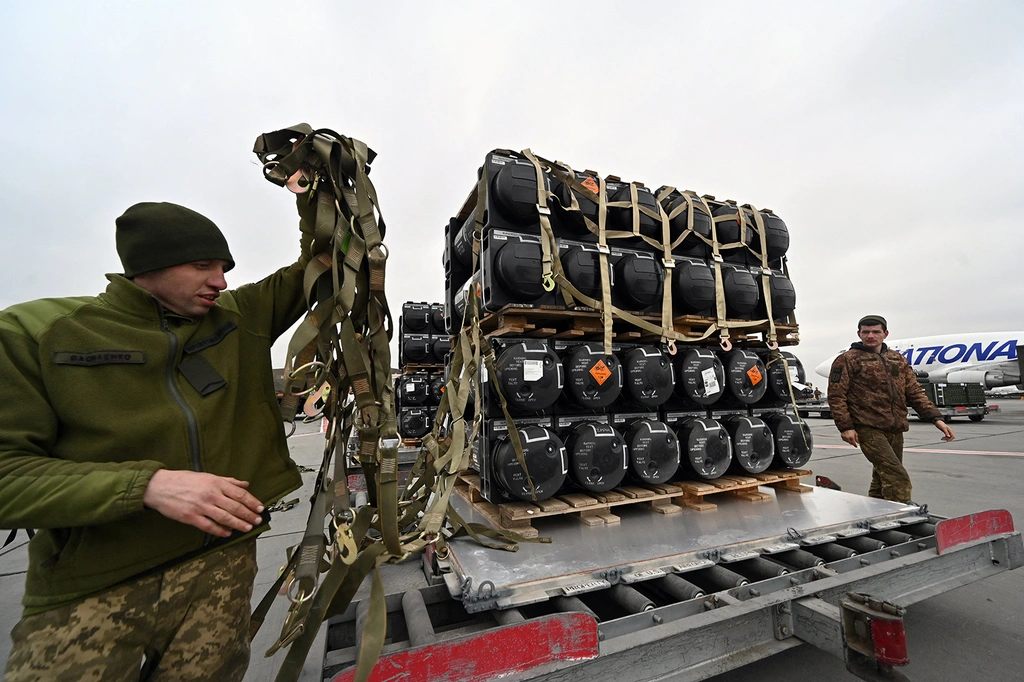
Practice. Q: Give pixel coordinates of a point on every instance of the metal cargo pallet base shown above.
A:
(642, 543)
(851, 608)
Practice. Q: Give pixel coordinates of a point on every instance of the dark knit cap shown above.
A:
(156, 235)
(871, 320)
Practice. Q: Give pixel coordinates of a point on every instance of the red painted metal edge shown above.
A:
(487, 655)
(953, 532)
(890, 641)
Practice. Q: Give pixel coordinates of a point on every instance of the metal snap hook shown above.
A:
(548, 282)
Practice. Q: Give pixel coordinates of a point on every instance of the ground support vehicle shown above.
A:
(682, 596)
(816, 408)
(958, 400)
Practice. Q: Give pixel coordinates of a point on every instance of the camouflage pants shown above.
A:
(889, 478)
(187, 623)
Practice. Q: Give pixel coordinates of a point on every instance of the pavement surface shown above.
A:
(973, 633)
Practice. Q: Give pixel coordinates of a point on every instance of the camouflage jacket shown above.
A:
(874, 389)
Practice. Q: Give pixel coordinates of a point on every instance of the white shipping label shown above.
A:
(710, 381)
(410, 387)
(533, 370)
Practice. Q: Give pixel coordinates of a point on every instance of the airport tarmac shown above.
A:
(973, 633)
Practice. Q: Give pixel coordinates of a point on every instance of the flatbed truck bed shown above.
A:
(683, 596)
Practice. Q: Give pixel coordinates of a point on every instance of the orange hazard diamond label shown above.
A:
(591, 184)
(755, 375)
(600, 372)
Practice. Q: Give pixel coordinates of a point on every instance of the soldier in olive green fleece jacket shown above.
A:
(140, 425)
(869, 389)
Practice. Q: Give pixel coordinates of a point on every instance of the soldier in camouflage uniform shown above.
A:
(869, 389)
(139, 433)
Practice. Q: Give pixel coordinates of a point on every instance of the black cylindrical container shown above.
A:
(780, 378)
(597, 456)
(437, 389)
(545, 459)
(647, 376)
(742, 293)
(700, 376)
(583, 270)
(413, 389)
(622, 218)
(462, 242)
(783, 295)
(514, 190)
(440, 346)
(693, 288)
(573, 220)
(692, 245)
(732, 232)
(705, 448)
(414, 422)
(793, 440)
(517, 269)
(415, 318)
(794, 363)
(638, 281)
(653, 451)
(529, 376)
(753, 446)
(437, 321)
(745, 382)
(416, 349)
(460, 300)
(593, 380)
(776, 236)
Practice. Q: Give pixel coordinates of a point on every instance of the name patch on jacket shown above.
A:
(99, 357)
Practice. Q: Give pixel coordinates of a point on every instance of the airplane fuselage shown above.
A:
(989, 358)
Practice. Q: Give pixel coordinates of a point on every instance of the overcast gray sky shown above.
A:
(888, 135)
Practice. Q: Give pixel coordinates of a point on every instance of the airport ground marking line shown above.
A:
(996, 453)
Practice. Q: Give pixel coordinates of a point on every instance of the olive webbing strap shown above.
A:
(766, 284)
(777, 356)
(349, 325)
(552, 266)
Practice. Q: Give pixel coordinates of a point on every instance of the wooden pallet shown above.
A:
(743, 487)
(586, 324)
(417, 368)
(594, 509)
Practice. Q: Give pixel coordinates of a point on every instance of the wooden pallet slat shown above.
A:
(595, 509)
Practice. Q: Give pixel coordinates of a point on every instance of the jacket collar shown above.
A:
(860, 346)
(126, 295)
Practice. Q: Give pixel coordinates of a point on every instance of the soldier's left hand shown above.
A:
(947, 433)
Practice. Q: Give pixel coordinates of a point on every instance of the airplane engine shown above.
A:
(989, 378)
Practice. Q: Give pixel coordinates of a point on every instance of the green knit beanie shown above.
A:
(156, 235)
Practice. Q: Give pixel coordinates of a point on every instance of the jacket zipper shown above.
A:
(190, 416)
(892, 392)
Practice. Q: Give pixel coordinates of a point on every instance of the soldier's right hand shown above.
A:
(214, 504)
(850, 436)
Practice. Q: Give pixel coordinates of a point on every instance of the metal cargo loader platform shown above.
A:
(646, 545)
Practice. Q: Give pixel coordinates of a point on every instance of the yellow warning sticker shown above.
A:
(755, 375)
(591, 184)
(600, 372)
